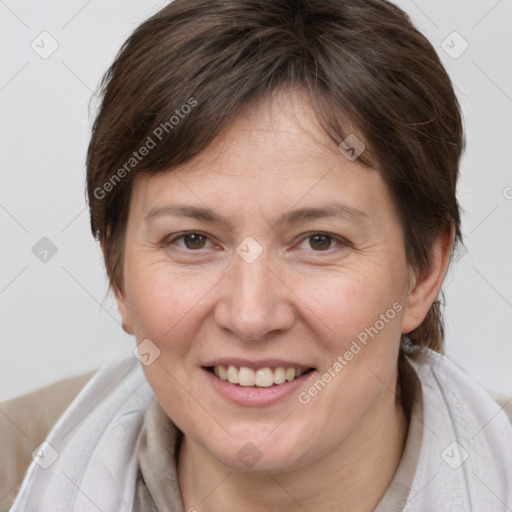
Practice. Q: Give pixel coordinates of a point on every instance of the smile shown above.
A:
(260, 377)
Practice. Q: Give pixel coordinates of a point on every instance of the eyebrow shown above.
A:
(330, 210)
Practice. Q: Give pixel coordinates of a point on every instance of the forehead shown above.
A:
(273, 153)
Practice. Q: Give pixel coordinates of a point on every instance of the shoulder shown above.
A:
(504, 401)
(448, 372)
(469, 434)
(25, 422)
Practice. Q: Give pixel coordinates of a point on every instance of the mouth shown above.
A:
(264, 377)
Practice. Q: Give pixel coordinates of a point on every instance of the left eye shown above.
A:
(320, 241)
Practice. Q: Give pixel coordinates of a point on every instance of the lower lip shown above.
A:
(255, 396)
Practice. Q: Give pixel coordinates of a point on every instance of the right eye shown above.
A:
(191, 241)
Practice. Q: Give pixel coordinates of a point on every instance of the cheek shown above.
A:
(346, 302)
(359, 315)
(167, 307)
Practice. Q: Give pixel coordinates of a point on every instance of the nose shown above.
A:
(255, 302)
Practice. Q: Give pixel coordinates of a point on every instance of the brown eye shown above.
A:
(194, 241)
(320, 242)
(188, 242)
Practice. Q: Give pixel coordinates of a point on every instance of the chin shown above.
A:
(258, 452)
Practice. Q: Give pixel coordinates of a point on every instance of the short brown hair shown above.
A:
(360, 61)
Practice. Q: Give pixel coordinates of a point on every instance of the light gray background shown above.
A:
(55, 318)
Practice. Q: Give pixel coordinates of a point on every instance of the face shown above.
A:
(269, 252)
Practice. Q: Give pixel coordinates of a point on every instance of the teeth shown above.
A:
(279, 375)
(233, 374)
(223, 374)
(245, 377)
(262, 377)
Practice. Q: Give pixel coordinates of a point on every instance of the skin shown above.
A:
(296, 301)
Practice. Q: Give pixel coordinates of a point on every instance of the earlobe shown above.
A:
(425, 288)
(124, 311)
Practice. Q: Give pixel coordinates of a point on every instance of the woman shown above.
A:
(273, 185)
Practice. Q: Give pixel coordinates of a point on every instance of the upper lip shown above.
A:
(262, 363)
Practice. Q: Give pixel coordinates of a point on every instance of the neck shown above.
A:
(353, 476)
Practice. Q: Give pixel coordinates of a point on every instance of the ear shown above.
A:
(124, 310)
(424, 288)
(122, 306)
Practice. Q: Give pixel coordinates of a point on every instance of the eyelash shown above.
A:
(340, 241)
